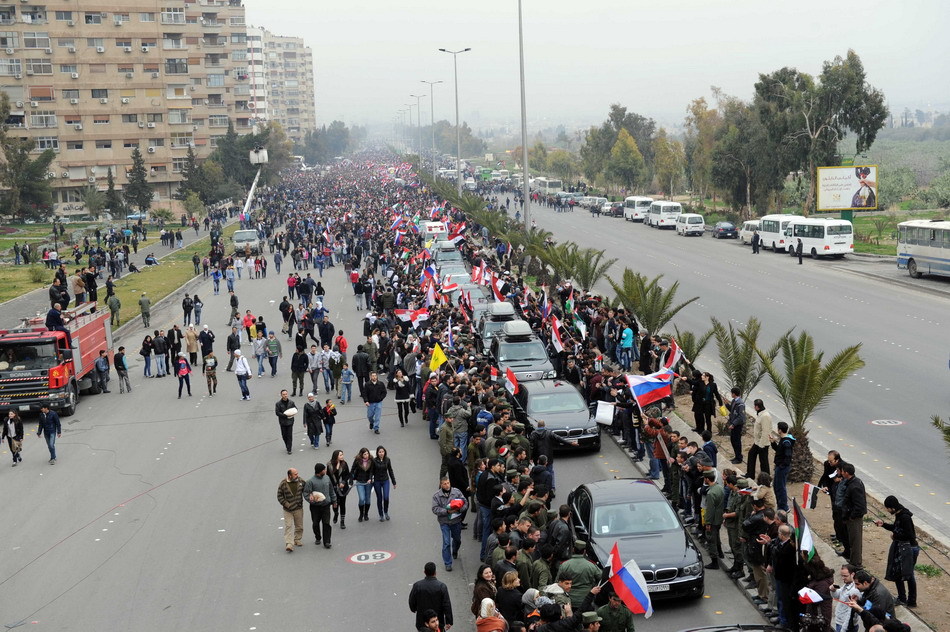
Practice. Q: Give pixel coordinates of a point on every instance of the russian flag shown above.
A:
(397, 223)
(451, 335)
(651, 388)
(398, 239)
(629, 584)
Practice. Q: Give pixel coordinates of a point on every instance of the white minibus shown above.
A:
(636, 208)
(663, 214)
(772, 230)
(747, 229)
(821, 237)
(690, 224)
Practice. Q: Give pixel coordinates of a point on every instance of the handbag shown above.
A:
(723, 411)
(17, 446)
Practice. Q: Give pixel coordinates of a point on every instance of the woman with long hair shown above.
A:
(764, 490)
(362, 473)
(183, 371)
(13, 433)
(401, 383)
(382, 475)
(339, 473)
(710, 394)
(146, 352)
(484, 587)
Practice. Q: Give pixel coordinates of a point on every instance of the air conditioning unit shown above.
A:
(141, 123)
(29, 73)
(145, 49)
(34, 104)
(91, 180)
(193, 88)
(9, 51)
(74, 101)
(50, 175)
(70, 23)
(17, 76)
(75, 75)
(49, 51)
(129, 75)
(206, 101)
(125, 101)
(65, 174)
(77, 126)
(100, 49)
(118, 22)
(92, 169)
(71, 49)
(103, 100)
(151, 125)
(128, 49)
(154, 75)
(151, 150)
(19, 104)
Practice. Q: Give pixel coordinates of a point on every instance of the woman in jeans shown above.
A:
(403, 394)
(382, 475)
(339, 473)
(146, 352)
(362, 472)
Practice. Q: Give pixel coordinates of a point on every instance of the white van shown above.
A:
(435, 230)
(747, 229)
(821, 237)
(690, 224)
(594, 203)
(636, 208)
(772, 230)
(663, 214)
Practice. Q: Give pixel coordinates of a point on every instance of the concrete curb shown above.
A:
(827, 553)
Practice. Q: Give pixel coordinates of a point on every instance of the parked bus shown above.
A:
(923, 247)
(636, 208)
(548, 186)
(821, 237)
(663, 214)
(747, 229)
(772, 230)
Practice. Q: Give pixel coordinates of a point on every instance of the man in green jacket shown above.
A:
(114, 306)
(290, 497)
(712, 516)
(145, 306)
(585, 573)
(737, 510)
(616, 617)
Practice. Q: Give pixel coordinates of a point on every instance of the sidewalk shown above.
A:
(36, 302)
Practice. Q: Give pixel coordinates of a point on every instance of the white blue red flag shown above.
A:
(651, 388)
(628, 582)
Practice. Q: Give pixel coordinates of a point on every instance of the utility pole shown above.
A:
(432, 119)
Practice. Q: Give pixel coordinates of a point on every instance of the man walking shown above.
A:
(243, 372)
(52, 428)
(320, 493)
(449, 505)
(232, 344)
(102, 371)
(122, 369)
(798, 251)
(114, 306)
(429, 596)
(206, 342)
(761, 429)
(783, 444)
(290, 498)
(145, 306)
(374, 394)
(284, 406)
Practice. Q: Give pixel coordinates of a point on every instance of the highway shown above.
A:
(902, 327)
(161, 514)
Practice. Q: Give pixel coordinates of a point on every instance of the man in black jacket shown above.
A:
(430, 594)
(854, 507)
(286, 422)
(298, 368)
(373, 394)
(232, 344)
(361, 368)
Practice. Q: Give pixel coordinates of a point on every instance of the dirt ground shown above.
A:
(933, 607)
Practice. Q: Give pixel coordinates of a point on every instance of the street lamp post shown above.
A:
(409, 132)
(524, 127)
(458, 130)
(432, 119)
(418, 123)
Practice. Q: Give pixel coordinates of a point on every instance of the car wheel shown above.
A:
(912, 269)
(814, 253)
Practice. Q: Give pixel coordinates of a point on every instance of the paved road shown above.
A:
(162, 515)
(902, 328)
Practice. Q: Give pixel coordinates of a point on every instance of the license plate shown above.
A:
(658, 587)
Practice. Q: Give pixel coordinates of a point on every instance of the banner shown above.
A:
(847, 188)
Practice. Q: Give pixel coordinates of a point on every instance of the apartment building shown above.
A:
(92, 80)
(281, 81)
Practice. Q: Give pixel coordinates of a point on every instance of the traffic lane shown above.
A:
(863, 398)
(722, 601)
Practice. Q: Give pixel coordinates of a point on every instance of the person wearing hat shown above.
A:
(902, 556)
(243, 372)
(712, 516)
(585, 573)
(591, 621)
(206, 341)
(319, 492)
(145, 306)
(614, 615)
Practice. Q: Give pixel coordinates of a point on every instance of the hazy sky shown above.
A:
(653, 57)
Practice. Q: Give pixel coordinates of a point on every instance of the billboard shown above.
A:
(847, 188)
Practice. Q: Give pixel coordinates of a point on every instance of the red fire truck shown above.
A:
(37, 366)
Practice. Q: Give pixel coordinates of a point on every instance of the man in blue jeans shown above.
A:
(484, 492)
(373, 394)
(51, 427)
(783, 444)
(449, 504)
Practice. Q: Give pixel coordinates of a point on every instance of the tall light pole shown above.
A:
(409, 134)
(418, 122)
(524, 127)
(432, 120)
(458, 130)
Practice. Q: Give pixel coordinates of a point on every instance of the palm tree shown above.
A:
(943, 427)
(590, 267)
(652, 304)
(691, 345)
(94, 200)
(562, 259)
(739, 356)
(804, 385)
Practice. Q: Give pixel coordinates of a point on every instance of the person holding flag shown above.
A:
(615, 615)
(629, 584)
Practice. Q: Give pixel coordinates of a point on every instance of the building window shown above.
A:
(92, 18)
(73, 144)
(239, 38)
(198, 122)
(68, 68)
(128, 144)
(72, 119)
(178, 164)
(150, 43)
(63, 42)
(176, 92)
(218, 120)
(172, 41)
(103, 144)
(100, 93)
(10, 67)
(39, 66)
(97, 68)
(33, 39)
(63, 16)
(95, 42)
(176, 66)
(159, 168)
(156, 142)
(147, 17)
(213, 142)
(215, 81)
(130, 118)
(47, 142)
(100, 119)
(173, 15)
(154, 118)
(123, 43)
(126, 67)
(120, 17)
(71, 94)
(178, 116)
(181, 139)
(43, 119)
(127, 93)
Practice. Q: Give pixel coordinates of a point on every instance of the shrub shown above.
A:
(38, 274)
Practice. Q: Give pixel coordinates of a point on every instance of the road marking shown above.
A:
(371, 557)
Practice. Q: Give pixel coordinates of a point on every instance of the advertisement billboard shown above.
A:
(847, 188)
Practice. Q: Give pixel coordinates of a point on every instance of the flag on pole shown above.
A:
(438, 358)
(674, 356)
(651, 388)
(451, 335)
(398, 239)
(629, 584)
(556, 334)
(494, 374)
(511, 382)
(396, 224)
(581, 327)
(806, 595)
(802, 531)
(496, 285)
(810, 496)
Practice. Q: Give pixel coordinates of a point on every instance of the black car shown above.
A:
(635, 514)
(563, 410)
(616, 209)
(725, 230)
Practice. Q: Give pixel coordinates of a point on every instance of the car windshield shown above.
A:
(725, 226)
(522, 352)
(28, 357)
(449, 255)
(637, 518)
(492, 327)
(567, 400)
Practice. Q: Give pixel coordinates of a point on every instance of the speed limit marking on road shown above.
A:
(887, 422)
(371, 557)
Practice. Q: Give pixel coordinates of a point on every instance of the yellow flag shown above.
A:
(438, 358)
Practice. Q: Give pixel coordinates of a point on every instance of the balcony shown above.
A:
(213, 43)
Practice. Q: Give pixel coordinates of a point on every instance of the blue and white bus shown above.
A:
(923, 247)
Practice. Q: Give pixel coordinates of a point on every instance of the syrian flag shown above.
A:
(806, 595)
(455, 238)
(448, 286)
(418, 316)
(496, 285)
(556, 334)
(494, 374)
(478, 274)
(810, 496)
(674, 356)
(511, 382)
(651, 388)
(404, 315)
(326, 236)
(802, 531)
